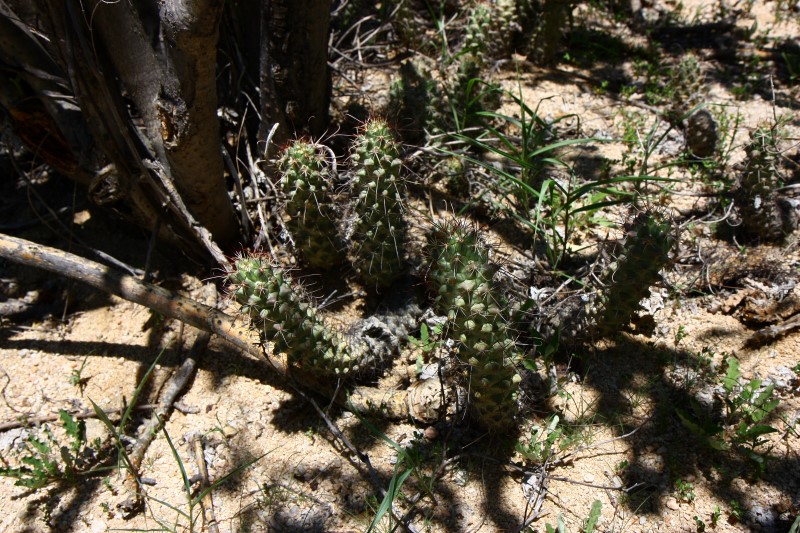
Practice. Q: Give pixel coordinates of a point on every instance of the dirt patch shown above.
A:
(649, 421)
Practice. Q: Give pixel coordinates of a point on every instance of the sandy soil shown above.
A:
(620, 400)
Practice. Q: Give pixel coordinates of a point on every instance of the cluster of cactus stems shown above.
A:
(757, 197)
(377, 229)
(374, 225)
(282, 314)
(461, 276)
(306, 183)
(646, 251)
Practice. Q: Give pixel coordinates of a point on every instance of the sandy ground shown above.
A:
(619, 401)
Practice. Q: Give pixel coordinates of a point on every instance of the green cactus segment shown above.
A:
(416, 102)
(646, 252)
(461, 275)
(490, 28)
(306, 184)
(757, 197)
(377, 229)
(279, 310)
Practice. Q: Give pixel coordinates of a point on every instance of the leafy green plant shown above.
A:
(76, 377)
(428, 340)
(699, 524)
(45, 460)
(545, 441)
(410, 464)
(527, 185)
(747, 407)
(736, 511)
(715, 516)
(589, 525)
(593, 518)
(685, 490)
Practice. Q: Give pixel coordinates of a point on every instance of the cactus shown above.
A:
(416, 102)
(545, 26)
(490, 27)
(377, 229)
(461, 276)
(757, 197)
(281, 313)
(684, 87)
(306, 184)
(646, 251)
(701, 134)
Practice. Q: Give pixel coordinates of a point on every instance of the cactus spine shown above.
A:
(283, 316)
(377, 229)
(306, 183)
(757, 197)
(461, 275)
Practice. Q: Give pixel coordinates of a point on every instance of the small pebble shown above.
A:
(588, 478)
(672, 503)
(229, 431)
(431, 432)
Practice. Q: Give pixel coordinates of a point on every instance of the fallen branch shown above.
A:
(176, 383)
(27, 421)
(424, 401)
(128, 287)
(207, 502)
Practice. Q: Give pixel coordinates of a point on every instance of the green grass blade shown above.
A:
(187, 485)
(223, 479)
(126, 416)
(391, 494)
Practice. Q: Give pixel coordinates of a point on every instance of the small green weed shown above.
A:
(77, 379)
(410, 462)
(747, 405)
(715, 516)
(736, 512)
(701, 526)
(428, 340)
(685, 490)
(536, 186)
(546, 440)
(680, 335)
(589, 525)
(45, 460)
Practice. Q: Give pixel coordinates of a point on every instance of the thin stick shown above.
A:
(364, 458)
(27, 421)
(207, 503)
(128, 287)
(176, 383)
